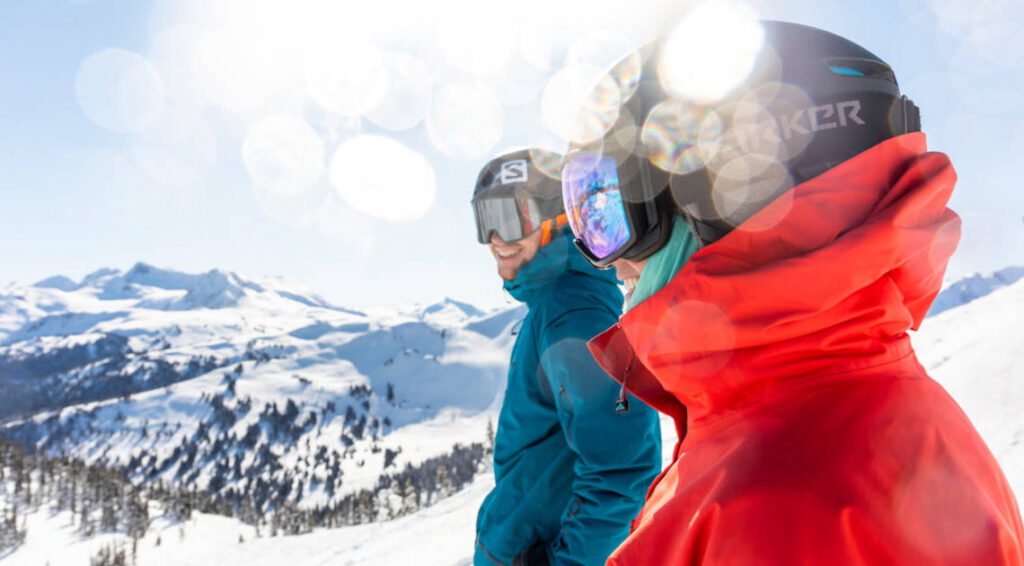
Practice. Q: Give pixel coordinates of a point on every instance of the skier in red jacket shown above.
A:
(782, 240)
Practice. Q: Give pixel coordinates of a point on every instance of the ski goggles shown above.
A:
(594, 206)
(512, 215)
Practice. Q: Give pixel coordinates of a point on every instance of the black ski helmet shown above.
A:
(812, 100)
(513, 197)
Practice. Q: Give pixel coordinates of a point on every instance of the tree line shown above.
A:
(103, 499)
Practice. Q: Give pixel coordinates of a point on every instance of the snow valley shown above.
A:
(238, 411)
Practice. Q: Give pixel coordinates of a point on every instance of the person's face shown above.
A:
(628, 271)
(512, 256)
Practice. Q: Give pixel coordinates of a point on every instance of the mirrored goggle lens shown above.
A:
(510, 218)
(593, 203)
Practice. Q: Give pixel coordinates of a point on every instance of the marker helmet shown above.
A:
(811, 101)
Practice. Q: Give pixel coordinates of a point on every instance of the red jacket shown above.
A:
(811, 434)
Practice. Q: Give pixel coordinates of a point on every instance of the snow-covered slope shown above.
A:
(976, 351)
(244, 387)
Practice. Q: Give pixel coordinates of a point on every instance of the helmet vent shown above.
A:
(861, 68)
(846, 71)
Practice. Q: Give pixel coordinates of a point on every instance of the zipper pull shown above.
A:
(622, 402)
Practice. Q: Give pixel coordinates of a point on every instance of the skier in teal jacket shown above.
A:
(572, 460)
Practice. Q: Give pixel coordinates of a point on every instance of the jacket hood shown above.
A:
(828, 278)
(552, 261)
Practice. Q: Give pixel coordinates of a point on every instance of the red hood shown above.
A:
(826, 279)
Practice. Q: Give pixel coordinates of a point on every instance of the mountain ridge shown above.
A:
(230, 385)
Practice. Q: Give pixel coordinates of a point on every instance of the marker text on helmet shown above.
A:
(802, 122)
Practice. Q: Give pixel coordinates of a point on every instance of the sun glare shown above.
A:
(383, 178)
(120, 90)
(283, 154)
(711, 51)
(465, 120)
(292, 87)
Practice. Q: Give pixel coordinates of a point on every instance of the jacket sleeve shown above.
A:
(618, 454)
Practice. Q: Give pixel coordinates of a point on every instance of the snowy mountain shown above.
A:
(434, 372)
(976, 286)
(246, 389)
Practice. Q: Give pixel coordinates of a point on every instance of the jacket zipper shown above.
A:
(488, 554)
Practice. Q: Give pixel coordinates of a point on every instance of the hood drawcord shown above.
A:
(622, 403)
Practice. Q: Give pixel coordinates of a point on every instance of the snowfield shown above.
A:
(976, 351)
(435, 373)
(441, 534)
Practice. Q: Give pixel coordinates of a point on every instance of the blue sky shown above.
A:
(86, 184)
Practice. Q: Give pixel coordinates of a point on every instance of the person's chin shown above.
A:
(508, 270)
(508, 274)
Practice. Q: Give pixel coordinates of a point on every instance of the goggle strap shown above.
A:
(550, 227)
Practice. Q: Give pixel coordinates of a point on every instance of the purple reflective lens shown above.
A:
(593, 203)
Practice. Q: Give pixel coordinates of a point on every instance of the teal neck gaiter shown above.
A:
(665, 263)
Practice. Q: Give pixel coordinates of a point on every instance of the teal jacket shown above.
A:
(569, 471)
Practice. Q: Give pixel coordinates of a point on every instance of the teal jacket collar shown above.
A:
(552, 261)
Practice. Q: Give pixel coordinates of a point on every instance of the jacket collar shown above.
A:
(552, 261)
(826, 279)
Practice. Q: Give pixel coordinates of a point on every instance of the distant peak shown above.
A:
(967, 289)
(465, 308)
(140, 268)
(101, 273)
(58, 282)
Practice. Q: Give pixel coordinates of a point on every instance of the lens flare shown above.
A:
(347, 77)
(753, 129)
(332, 128)
(283, 155)
(745, 184)
(549, 163)
(178, 150)
(623, 141)
(542, 139)
(764, 119)
(518, 83)
(580, 103)
(383, 178)
(474, 40)
(465, 120)
(238, 70)
(711, 51)
(608, 50)
(120, 90)
(177, 55)
(680, 137)
(543, 44)
(714, 351)
(407, 99)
